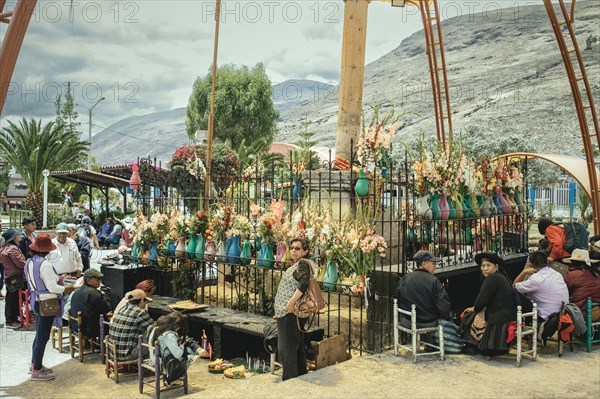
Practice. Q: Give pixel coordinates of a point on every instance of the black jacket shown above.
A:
(425, 291)
(91, 303)
(496, 296)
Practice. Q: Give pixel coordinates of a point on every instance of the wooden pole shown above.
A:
(211, 115)
(352, 75)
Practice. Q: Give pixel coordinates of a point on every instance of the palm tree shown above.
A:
(31, 148)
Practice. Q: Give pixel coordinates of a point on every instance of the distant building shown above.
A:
(17, 189)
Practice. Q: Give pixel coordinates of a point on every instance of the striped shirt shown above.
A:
(125, 329)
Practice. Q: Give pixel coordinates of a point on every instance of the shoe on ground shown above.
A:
(14, 325)
(45, 369)
(40, 375)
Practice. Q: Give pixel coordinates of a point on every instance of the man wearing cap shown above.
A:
(91, 302)
(83, 244)
(424, 290)
(27, 235)
(66, 258)
(14, 262)
(131, 321)
(545, 286)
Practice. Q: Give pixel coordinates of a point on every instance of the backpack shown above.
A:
(565, 326)
(577, 236)
(173, 368)
(577, 317)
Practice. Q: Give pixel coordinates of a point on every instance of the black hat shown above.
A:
(27, 220)
(490, 256)
(9, 235)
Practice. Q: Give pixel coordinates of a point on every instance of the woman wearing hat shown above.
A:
(495, 299)
(14, 262)
(583, 279)
(43, 283)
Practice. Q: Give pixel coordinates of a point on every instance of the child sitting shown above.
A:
(177, 350)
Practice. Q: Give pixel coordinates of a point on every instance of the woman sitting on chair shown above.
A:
(495, 303)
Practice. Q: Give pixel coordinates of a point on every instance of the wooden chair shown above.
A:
(415, 334)
(592, 327)
(77, 341)
(104, 329)
(524, 330)
(156, 368)
(60, 341)
(110, 359)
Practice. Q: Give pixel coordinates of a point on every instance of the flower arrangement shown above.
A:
(188, 163)
(269, 226)
(484, 176)
(362, 246)
(179, 227)
(201, 222)
(508, 177)
(219, 222)
(445, 171)
(241, 226)
(191, 224)
(373, 147)
(146, 231)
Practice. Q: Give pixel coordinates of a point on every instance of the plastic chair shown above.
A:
(524, 330)
(76, 339)
(110, 360)
(26, 316)
(156, 368)
(593, 327)
(415, 334)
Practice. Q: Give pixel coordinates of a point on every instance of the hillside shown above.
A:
(506, 76)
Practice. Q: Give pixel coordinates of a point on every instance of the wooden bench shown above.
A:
(232, 333)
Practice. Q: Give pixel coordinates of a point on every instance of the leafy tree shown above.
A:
(65, 112)
(4, 179)
(31, 148)
(243, 105)
(305, 155)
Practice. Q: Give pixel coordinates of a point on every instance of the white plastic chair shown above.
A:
(525, 330)
(415, 334)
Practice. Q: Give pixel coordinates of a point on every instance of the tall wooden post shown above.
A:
(352, 75)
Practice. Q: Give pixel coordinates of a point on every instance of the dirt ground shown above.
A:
(575, 375)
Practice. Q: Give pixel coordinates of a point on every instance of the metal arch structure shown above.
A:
(17, 21)
(574, 166)
(434, 48)
(580, 88)
(437, 67)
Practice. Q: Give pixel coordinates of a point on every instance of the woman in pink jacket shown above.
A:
(13, 260)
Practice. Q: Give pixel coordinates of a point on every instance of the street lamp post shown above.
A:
(89, 162)
(45, 173)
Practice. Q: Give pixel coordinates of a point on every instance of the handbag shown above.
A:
(478, 326)
(14, 282)
(49, 307)
(311, 302)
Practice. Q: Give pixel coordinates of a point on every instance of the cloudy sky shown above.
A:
(144, 55)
